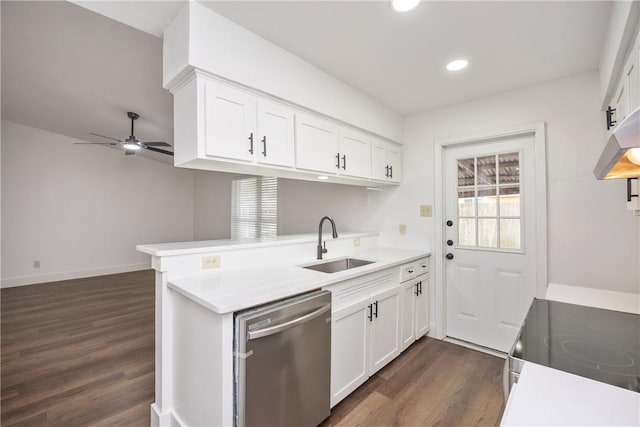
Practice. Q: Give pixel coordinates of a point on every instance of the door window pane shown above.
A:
(510, 201)
(467, 231)
(509, 168)
(487, 232)
(486, 170)
(466, 203)
(510, 233)
(487, 202)
(466, 172)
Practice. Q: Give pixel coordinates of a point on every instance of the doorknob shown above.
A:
(449, 223)
(449, 256)
(449, 242)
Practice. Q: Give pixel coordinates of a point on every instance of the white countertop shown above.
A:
(548, 397)
(204, 246)
(233, 289)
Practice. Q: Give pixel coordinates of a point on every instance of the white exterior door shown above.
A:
(489, 230)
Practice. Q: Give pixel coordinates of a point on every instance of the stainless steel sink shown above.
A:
(338, 265)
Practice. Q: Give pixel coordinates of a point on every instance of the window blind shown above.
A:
(254, 207)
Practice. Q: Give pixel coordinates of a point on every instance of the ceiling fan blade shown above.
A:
(158, 150)
(96, 143)
(156, 144)
(129, 152)
(102, 136)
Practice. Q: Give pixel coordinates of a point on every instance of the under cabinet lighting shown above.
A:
(323, 177)
(457, 65)
(633, 154)
(404, 5)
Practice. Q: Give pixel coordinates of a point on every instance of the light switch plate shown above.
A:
(211, 261)
(403, 229)
(425, 210)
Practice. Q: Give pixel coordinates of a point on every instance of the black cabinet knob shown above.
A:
(449, 242)
(449, 223)
(449, 256)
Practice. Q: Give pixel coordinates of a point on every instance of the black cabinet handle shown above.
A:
(449, 256)
(251, 143)
(420, 287)
(449, 223)
(338, 160)
(264, 146)
(344, 162)
(370, 316)
(417, 291)
(390, 171)
(386, 171)
(609, 114)
(376, 312)
(409, 271)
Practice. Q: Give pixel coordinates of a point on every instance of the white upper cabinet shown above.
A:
(355, 153)
(230, 122)
(275, 143)
(386, 161)
(222, 127)
(316, 144)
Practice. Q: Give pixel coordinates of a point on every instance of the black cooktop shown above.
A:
(603, 345)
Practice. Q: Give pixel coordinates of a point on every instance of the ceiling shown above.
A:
(72, 71)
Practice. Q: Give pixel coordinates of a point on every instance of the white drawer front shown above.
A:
(408, 272)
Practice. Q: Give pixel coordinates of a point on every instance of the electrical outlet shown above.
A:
(211, 261)
(403, 229)
(356, 242)
(36, 263)
(425, 210)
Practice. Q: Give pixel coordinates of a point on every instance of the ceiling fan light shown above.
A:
(404, 5)
(131, 146)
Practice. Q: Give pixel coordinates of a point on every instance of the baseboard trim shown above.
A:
(476, 347)
(78, 274)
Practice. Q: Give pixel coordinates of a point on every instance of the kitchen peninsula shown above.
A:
(199, 286)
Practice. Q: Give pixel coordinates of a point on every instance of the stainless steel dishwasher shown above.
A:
(282, 362)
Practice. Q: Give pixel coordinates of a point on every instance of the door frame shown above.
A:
(538, 130)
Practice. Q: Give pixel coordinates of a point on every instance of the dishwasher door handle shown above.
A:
(287, 325)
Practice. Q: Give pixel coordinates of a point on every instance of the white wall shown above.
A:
(81, 210)
(592, 239)
(212, 205)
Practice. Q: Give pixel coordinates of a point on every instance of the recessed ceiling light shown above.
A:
(457, 65)
(404, 5)
(323, 177)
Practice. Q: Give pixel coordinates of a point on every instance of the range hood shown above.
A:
(621, 156)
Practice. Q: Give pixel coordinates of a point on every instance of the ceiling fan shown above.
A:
(132, 144)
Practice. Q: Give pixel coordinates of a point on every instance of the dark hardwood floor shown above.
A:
(78, 352)
(81, 352)
(433, 383)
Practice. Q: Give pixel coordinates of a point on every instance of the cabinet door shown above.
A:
(408, 313)
(355, 153)
(621, 102)
(316, 144)
(422, 307)
(632, 82)
(394, 159)
(379, 166)
(230, 116)
(349, 332)
(274, 145)
(385, 329)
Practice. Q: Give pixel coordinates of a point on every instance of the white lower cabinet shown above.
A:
(365, 336)
(415, 302)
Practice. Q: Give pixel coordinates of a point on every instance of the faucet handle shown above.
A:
(324, 247)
